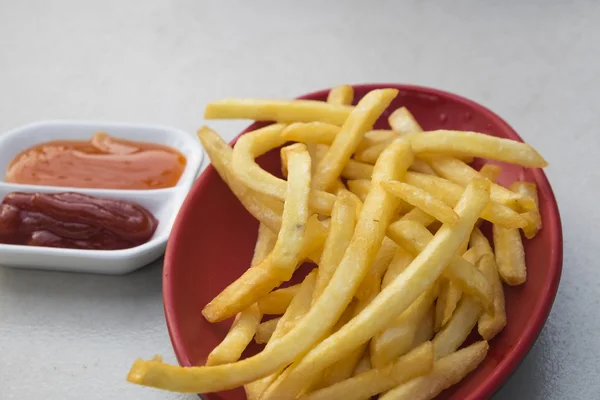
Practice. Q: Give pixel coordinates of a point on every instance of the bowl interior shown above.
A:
(213, 239)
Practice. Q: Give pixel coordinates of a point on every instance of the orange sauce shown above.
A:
(103, 162)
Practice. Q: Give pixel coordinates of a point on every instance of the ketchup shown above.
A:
(73, 220)
(103, 162)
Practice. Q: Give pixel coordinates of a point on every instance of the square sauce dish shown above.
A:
(93, 197)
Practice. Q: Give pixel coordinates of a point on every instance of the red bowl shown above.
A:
(213, 238)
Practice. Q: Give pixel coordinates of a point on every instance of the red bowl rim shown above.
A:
(539, 313)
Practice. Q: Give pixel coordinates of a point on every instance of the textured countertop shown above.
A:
(536, 63)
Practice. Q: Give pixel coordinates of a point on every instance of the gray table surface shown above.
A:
(536, 63)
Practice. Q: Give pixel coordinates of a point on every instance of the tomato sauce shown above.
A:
(103, 162)
(74, 220)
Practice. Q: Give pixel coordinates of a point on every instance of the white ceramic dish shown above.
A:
(163, 203)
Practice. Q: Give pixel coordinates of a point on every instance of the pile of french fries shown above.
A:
(391, 220)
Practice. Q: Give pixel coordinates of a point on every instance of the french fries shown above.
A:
(491, 172)
(341, 228)
(341, 95)
(241, 333)
(490, 324)
(360, 187)
(265, 242)
(510, 255)
(398, 338)
(446, 372)
(450, 293)
(311, 132)
(404, 273)
(459, 172)
(286, 253)
(376, 137)
(371, 283)
(259, 280)
(392, 300)
(278, 300)
(360, 120)
(449, 192)
(533, 217)
(477, 145)
(250, 174)
(264, 208)
(414, 237)
(422, 199)
(371, 153)
(367, 384)
(278, 110)
(425, 329)
(296, 311)
(402, 121)
(265, 330)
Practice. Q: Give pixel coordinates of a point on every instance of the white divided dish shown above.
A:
(162, 203)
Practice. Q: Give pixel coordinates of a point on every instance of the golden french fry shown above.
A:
(423, 200)
(237, 339)
(398, 338)
(266, 209)
(510, 255)
(341, 95)
(372, 153)
(377, 136)
(360, 120)
(316, 156)
(371, 283)
(418, 215)
(448, 299)
(364, 364)
(258, 142)
(478, 145)
(278, 300)
(352, 170)
(491, 172)
(370, 383)
(265, 330)
(533, 217)
(478, 240)
(414, 238)
(278, 110)
(450, 192)
(402, 121)
(259, 280)
(265, 242)
(392, 300)
(490, 324)
(425, 329)
(454, 333)
(458, 172)
(421, 166)
(357, 170)
(446, 372)
(296, 311)
(401, 260)
(344, 368)
(446, 303)
(341, 228)
(324, 134)
(287, 251)
(360, 187)
(311, 132)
